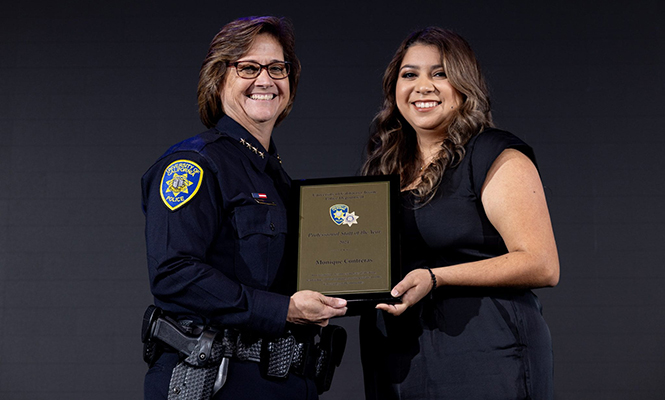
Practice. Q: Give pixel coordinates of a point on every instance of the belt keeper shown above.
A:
(303, 363)
(431, 274)
(277, 356)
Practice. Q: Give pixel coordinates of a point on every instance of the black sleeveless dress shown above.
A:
(465, 343)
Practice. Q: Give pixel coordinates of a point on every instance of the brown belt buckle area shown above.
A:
(277, 356)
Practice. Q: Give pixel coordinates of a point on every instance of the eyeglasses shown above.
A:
(251, 69)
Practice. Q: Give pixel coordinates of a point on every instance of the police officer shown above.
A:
(216, 219)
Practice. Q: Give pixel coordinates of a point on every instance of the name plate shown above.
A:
(348, 239)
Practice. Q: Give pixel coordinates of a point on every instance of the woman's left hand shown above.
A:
(415, 285)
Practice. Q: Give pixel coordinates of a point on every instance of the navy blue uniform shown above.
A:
(216, 225)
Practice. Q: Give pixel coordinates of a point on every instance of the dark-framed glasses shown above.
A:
(251, 69)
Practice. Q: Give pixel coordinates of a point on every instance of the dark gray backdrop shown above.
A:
(92, 92)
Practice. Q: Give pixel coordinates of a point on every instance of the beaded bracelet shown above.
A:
(431, 274)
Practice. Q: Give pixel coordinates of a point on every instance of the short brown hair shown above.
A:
(231, 43)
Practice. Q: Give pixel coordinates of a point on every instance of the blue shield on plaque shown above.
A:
(338, 213)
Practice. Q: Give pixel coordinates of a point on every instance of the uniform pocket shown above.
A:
(259, 219)
(260, 245)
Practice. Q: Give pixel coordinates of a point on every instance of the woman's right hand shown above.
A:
(415, 285)
(309, 307)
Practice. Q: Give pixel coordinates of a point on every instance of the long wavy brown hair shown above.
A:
(393, 147)
(231, 43)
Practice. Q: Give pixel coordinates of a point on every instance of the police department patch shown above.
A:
(180, 182)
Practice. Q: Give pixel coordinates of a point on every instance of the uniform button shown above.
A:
(272, 226)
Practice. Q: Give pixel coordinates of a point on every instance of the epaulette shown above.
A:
(195, 144)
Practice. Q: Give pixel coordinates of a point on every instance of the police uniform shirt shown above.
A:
(216, 231)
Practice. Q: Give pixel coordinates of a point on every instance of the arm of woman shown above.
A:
(184, 279)
(514, 202)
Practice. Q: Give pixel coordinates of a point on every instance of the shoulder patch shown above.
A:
(180, 182)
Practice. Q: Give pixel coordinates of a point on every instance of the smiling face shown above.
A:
(256, 103)
(423, 94)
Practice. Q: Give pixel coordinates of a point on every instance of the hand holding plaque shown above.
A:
(347, 237)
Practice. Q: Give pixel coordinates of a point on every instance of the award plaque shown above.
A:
(347, 237)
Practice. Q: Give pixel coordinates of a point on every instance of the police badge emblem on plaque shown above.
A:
(180, 182)
(340, 215)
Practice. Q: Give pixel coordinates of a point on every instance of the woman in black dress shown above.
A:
(476, 238)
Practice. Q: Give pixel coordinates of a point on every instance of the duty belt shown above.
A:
(277, 357)
(207, 353)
